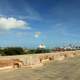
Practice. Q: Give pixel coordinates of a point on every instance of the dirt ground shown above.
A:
(68, 69)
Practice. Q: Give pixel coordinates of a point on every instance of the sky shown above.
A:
(28, 23)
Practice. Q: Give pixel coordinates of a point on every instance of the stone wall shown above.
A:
(33, 59)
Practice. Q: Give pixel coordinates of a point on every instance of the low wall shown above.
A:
(33, 59)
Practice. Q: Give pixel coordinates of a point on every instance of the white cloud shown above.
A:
(12, 23)
(37, 34)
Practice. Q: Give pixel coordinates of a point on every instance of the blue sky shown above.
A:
(27, 23)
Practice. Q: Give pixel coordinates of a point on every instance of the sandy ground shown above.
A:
(67, 69)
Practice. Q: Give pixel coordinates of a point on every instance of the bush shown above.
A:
(19, 51)
(38, 50)
(13, 51)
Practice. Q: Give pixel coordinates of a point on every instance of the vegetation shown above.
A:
(19, 51)
(11, 51)
(38, 50)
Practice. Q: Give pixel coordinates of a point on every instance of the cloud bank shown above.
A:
(12, 23)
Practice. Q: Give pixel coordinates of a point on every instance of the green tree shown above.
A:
(13, 51)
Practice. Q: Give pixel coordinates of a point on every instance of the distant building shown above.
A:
(25, 49)
(42, 46)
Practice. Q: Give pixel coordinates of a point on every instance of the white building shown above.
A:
(42, 46)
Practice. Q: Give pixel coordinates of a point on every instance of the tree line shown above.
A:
(21, 51)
